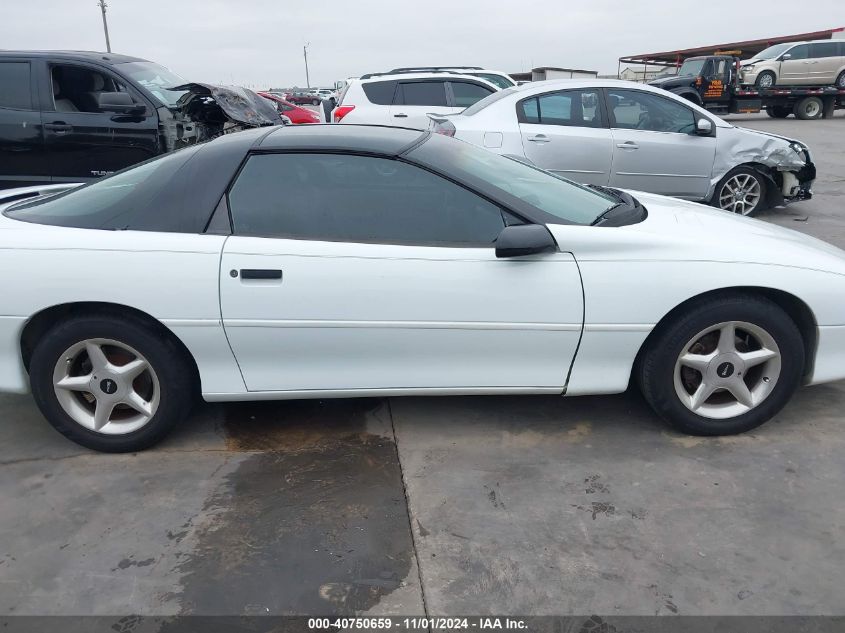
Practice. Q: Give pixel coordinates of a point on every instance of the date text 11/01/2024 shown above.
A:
(422, 623)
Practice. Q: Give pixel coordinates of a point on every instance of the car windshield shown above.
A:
(772, 51)
(506, 178)
(156, 79)
(691, 67)
(496, 80)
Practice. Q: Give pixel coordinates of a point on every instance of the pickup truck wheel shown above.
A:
(741, 191)
(778, 112)
(809, 108)
(765, 79)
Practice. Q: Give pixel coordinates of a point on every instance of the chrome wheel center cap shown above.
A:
(726, 368)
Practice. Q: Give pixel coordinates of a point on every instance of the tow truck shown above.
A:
(713, 82)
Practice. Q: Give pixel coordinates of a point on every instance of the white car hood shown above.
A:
(687, 231)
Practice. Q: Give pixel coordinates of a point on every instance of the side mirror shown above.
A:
(785, 56)
(524, 239)
(703, 127)
(120, 103)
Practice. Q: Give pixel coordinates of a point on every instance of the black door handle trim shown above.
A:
(260, 273)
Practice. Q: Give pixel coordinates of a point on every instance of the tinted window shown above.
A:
(579, 108)
(127, 200)
(466, 94)
(341, 197)
(379, 92)
(14, 79)
(799, 52)
(824, 49)
(424, 93)
(645, 111)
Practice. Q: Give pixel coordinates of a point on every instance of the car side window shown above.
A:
(352, 198)
(423, 93)
(634, 110)
(799, 52)
(15, 80)
(466, 94)
(824, 49)
(378, 92)
(78, 88)
(579, 108)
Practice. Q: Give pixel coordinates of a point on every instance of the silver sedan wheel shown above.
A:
(727, 370)
(106, 386)
(740, 194)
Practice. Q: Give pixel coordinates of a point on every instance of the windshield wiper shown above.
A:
(627, 211)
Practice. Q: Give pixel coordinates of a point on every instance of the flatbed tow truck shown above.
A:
(713, 82)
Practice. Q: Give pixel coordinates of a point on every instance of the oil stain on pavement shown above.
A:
(312, 521)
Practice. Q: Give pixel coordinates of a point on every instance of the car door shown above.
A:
(83, 142)
(655, 145)
(21, 132)
(825, 62)
(414, 100)
(796, 66)
(349, 274)
(566, 132)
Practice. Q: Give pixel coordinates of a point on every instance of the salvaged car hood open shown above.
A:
(237, 104)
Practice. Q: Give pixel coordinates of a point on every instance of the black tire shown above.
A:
(657, 363)
(315, 102)
(760, 81)
(809, 109)
(778, 112)
(840, 81)
(175, 376)
(761, 181)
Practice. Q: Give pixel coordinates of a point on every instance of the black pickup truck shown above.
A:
(70, 116)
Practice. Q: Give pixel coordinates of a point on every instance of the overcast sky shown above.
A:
(258, 43)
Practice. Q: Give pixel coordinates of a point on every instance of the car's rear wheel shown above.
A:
(809, 108)
(778, 112)
(109, 383)
(724, 365)
(315, 102)
(741, 191)
(765, 79)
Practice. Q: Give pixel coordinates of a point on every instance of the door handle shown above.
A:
(59, 127)
(628, 145)
(258, 274)
(401, 116)
(539, 138)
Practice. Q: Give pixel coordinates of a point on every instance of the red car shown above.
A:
(296, 114)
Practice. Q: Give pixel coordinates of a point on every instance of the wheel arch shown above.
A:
(795, 308)
(41, 322)
(774, 182)
(690, 95)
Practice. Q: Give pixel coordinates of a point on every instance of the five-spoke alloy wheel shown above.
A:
(112, 383)
(722, 364)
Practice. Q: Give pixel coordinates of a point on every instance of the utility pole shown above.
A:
(103, 6)
(304, 54)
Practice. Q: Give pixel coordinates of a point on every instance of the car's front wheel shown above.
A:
(741, 191)
(110, 383)
(724, 365)
(765, 79)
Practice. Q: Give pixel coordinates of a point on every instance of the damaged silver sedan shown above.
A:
(635, 137)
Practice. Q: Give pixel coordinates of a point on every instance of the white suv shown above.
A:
(405, 99)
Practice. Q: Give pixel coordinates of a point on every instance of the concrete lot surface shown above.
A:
(522, 505)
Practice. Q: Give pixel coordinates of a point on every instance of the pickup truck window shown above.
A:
(14, 77)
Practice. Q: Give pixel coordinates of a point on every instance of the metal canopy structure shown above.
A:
(743, 50)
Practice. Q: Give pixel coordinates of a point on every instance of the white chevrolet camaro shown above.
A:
(342, 261)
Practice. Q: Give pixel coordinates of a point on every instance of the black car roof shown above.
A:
(88, 56)
(370, 139)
